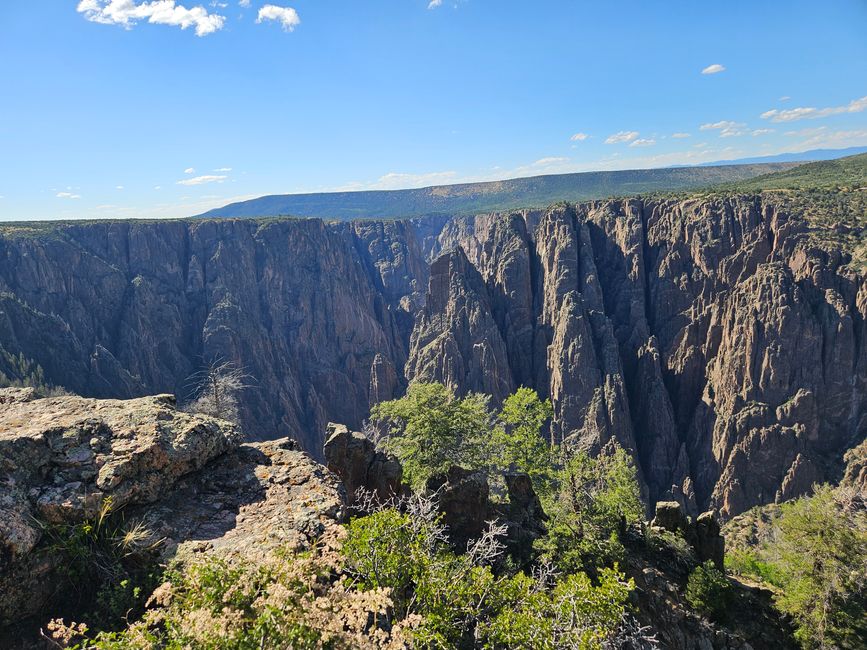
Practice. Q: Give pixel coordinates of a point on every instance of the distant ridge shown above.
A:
(813, 155)
(537, 191)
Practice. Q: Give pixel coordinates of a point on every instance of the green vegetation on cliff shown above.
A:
(831, 195)
(813, 553)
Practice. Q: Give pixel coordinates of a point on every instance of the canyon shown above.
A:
(712, 336)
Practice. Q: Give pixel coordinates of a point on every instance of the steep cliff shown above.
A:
(713, 336)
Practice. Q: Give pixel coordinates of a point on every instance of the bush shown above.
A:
(430, 429)
(709, 591)
(596, 499)
(518, 444)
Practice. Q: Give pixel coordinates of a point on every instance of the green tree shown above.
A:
(709, 591)
(430, 429)
(595, 500)
(518, 442)
(820, 559)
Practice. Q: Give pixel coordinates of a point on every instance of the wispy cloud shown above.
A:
(223, 170)
(621, 136)
(68, 195)
(758, 132)
(551, 160)
(190, 170)
(823, 137)
(244, 3)
(726, 128)
(434, 4)
(681, 135)
(119, 187)
(396, 180)
(579, 137)
(785, 98)
(642, 142)
(128, 13)
(202, 180)
(286, 16)
(716, 68)
(809, 113)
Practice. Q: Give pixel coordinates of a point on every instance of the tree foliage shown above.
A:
(430, 429)
(709, 591)
(817, 562)
(596, 499)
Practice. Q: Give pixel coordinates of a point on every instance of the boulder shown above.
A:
(182, 477)
(355, 459)
(670, 516)
(524, 517)
(463, 499)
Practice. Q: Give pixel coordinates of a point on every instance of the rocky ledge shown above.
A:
(187, 478)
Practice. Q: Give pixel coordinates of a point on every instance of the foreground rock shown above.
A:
(183, 476)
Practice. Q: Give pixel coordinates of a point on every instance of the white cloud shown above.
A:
(823, 137)
(190, 170)
(795, 114)
(714, 69)
(681, 135)
(621, 136)
(759, 132)
(127, 13)
(434, 4)
(552, 160)
(67, 195)
(223, 169)
(642, 142)
(244, 3)
(119, 187)
(201, 180)
(579, 137)
(726, 128)
(400, 180)
(158, 187)
(785, 98)
(286, 16)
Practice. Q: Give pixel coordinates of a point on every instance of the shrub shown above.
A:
(517, 442)
(596, 499)
(430, 429)
(709, 591)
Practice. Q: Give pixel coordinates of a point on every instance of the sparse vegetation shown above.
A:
(217, 388)
(709, 591)
(815, 559)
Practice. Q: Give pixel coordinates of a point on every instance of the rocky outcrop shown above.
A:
(703, 533)
(711, 337)
(353, 457)
(183, 477)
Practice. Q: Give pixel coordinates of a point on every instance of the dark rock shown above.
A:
(524, 517)
(669, 516)
(355, 459)
(709, 543)
(463, 500)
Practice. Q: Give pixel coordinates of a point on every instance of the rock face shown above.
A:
(355, 460)
(183, 476)
(710, 337)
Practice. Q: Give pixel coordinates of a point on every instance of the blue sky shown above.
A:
(134, 108)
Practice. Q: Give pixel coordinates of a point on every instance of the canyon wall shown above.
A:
(711, 337)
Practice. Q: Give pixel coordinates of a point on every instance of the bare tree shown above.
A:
(216, 390)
